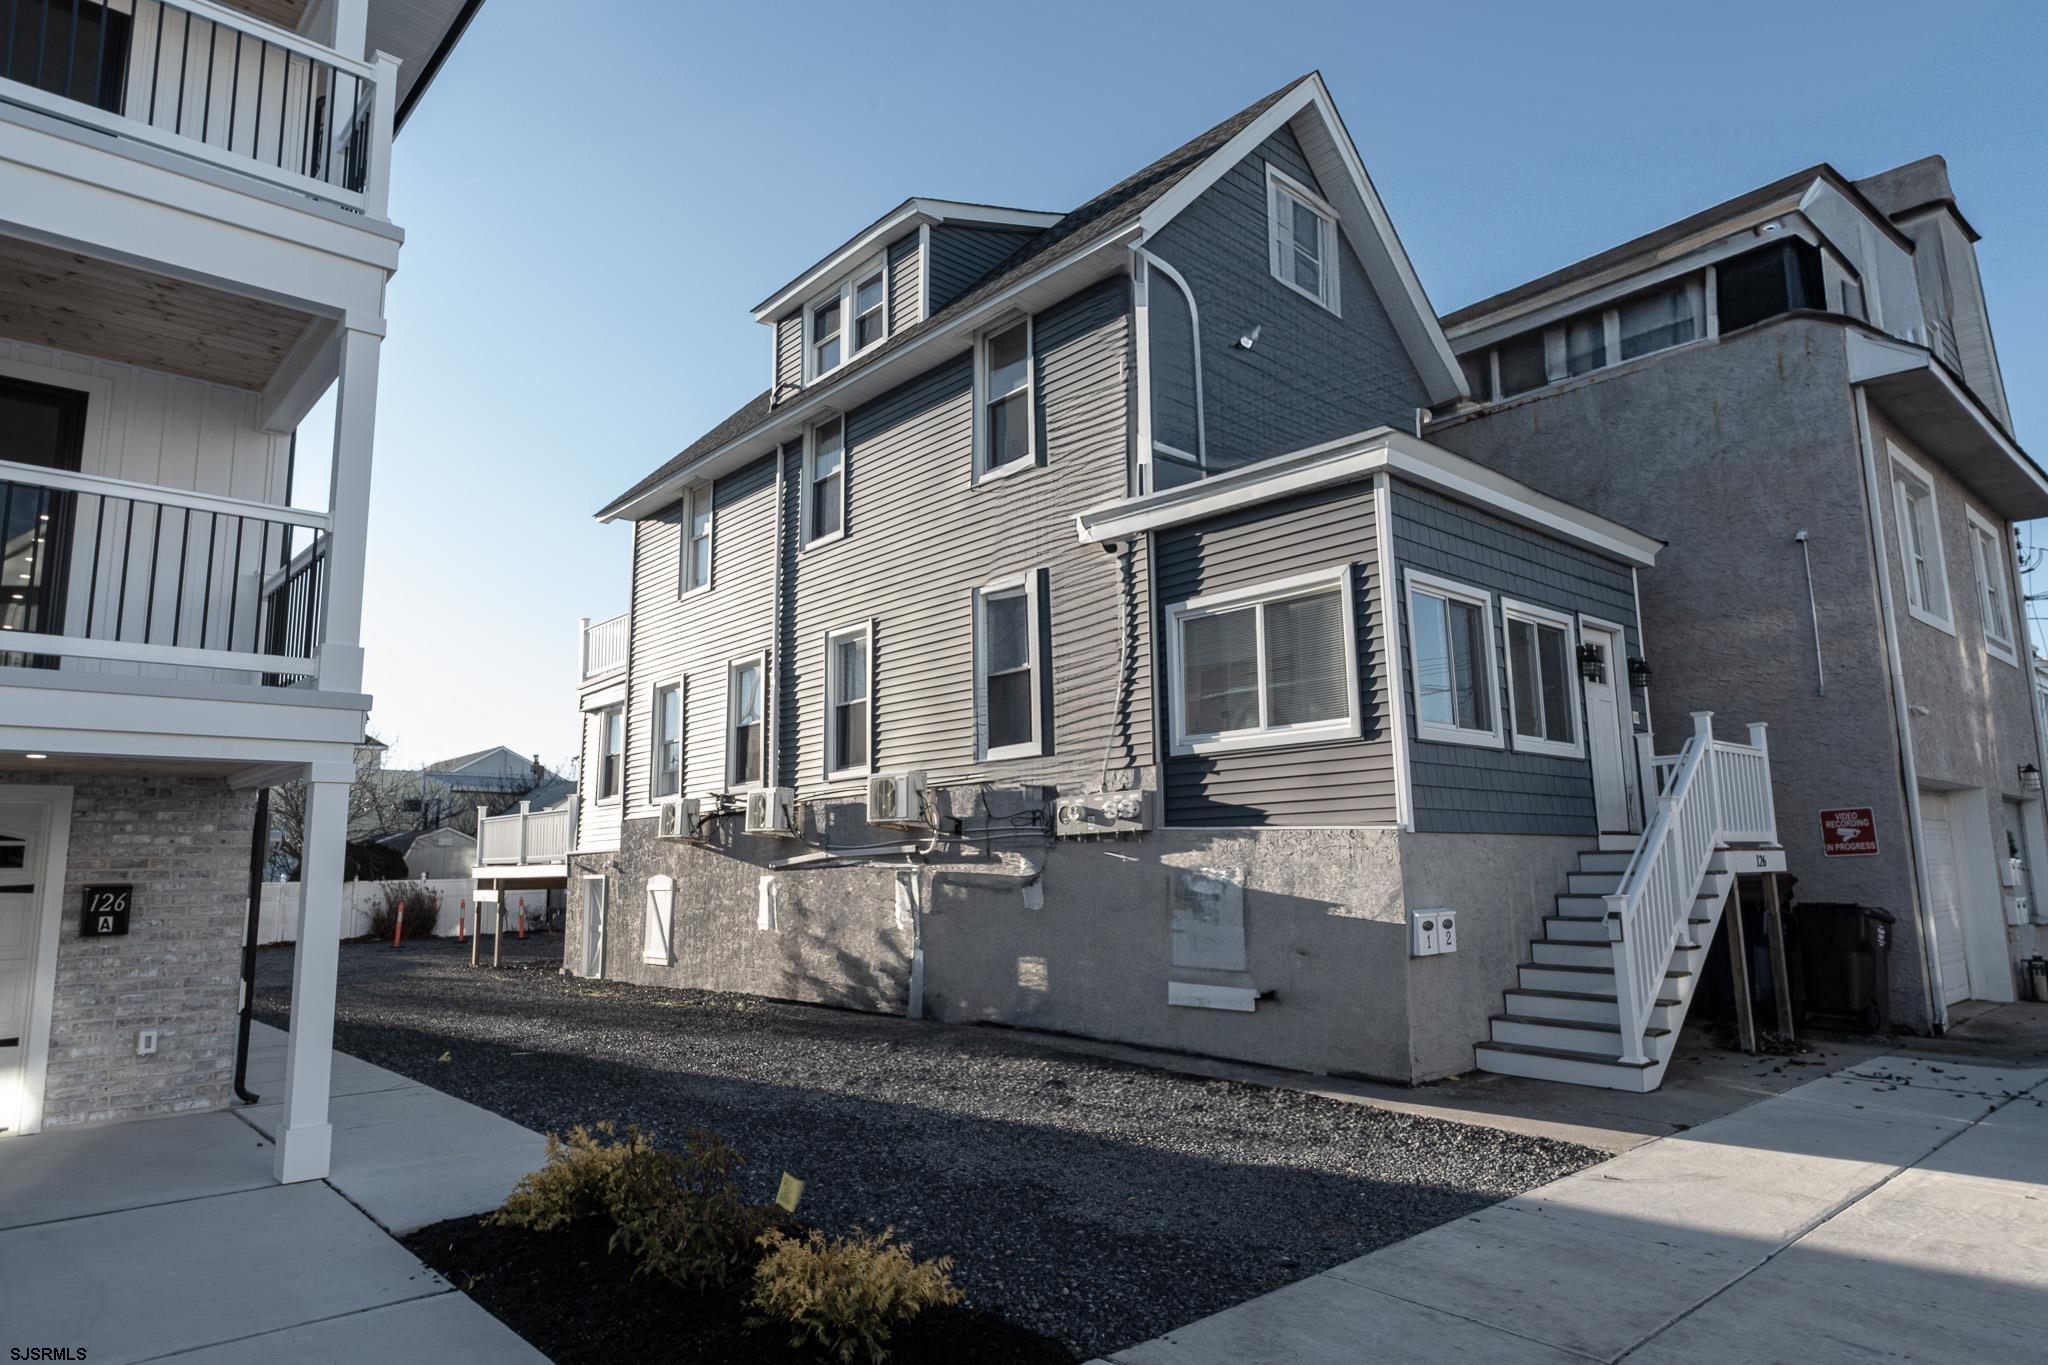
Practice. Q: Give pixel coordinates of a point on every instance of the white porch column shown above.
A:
(304, 1137)
(355, 438)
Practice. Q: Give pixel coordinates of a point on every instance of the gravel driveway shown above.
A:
(1098, 1202)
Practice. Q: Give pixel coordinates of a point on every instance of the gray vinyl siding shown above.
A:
(963, 256)
(1346, 782)
(1312, 376)
(693, 638)
(904, 283)
(921, 537)
(1170, 332)
(1461, 788)
(789, 349)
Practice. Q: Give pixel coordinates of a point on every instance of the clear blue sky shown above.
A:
(595, 195)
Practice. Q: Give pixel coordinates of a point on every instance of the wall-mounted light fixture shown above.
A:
(2030, 778)
(1639, 673)
(1592, 663)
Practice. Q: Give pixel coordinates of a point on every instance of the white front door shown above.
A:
(20, 870)
(1945, 898)
(1606, 732)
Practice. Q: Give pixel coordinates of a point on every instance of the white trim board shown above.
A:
(55, 837)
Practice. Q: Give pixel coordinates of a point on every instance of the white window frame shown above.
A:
(1259, 595)
(1511, 610)
(844, 293)
(604, 714)
(1903, 471)
(1031, 583)
(1435, 732)
(1994, 587)
(865, 632)
(807, 497)
(692, 497)
(1281, 187)
(982, 469)
(654, 792)
(733, 666)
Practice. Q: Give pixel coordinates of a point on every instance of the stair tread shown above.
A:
(1586, 1024)
(1608, 971)
(1607, 999)
(1565, 1055)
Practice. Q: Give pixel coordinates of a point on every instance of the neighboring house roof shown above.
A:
(549, 794)
(461, 761)
(1122, 206)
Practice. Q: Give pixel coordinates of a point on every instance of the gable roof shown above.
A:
(1126, 205)
(891, 225)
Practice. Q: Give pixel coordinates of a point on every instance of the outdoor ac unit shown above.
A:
(771, 810)
(896, 799)
(679, 816)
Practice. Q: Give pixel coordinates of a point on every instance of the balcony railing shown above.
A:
(208, 82)
(99, 569)
(524, 836)
(604, 646)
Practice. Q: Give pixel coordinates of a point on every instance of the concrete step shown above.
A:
(1573, 1035)
(1619, 843)
(1604, 862)
(1557, 1064)
(1592, 883)
(1585, 1006)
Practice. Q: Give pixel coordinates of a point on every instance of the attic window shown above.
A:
(1303, 238)
(847, 321)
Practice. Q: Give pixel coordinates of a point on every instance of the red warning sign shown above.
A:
(1848, 833)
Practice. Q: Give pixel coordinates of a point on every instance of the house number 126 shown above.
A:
(106, 911)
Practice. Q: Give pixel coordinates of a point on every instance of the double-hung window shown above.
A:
(1004, 432)
(1542, 680)
(1276, 663)
(1993, 587)
(1302, 236)
(1450, 641)
(696, 567)
(852, 318)
(849, 734)
(611, 752)
(667, 776)
(1920, 553)
(870, 308)
(824, 509)
(745, 721)
(1010, 667)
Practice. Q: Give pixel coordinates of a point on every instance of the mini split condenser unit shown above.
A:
(771, 810)
(896, 799)
(680, 818)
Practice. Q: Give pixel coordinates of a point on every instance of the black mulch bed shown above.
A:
(574, 1301)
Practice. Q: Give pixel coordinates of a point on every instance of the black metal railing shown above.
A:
(194, 76)
(294, 607)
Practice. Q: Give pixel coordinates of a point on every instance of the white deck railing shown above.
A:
(1710, 794)
(524, 836)
(604, 645)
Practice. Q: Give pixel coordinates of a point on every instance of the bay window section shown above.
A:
(1451, 643)
(1542, 681)
(1263, 666)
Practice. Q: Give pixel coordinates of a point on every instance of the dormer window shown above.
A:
(849, 320)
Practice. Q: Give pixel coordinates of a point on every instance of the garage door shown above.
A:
(1946, 901)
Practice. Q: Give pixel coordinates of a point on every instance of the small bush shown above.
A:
(422, 910)
(575, 1182)
(846, 1294)
(682, 1215)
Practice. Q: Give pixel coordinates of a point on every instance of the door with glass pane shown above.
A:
(44, 427)
(1606, 728)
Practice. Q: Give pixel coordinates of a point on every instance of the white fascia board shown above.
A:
(913, 213)
(1873, 357)
(1350, 190)
(1359, 457)
(875, 377)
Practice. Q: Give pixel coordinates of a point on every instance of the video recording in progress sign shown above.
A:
(1848, 833)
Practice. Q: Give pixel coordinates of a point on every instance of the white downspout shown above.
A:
(1930, 960)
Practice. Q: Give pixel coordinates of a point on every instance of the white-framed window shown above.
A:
(849, 320)
(1271, 664)
(1543, 679)
(1666, 315)
(824, 490)
(658, 924)
(1302, 233)
(665, 765)
(611, 752)
(746, 722)
(1919, 523)
(1010, 666)
(1005, 426)
(1994, 590)
(695, 571)
(849, 710)
(1450, 643)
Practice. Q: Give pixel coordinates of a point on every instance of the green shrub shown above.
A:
(422, 910)
(846, 1294)
(682, 1215)
(575, 1182)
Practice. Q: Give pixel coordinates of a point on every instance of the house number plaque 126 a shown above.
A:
(105, 911)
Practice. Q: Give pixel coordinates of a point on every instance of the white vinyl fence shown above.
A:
(278, 921)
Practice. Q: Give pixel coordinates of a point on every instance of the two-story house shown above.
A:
(1078, 632)
(1798, 390)
(194, 249)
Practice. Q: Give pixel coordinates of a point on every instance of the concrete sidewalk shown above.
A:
(170, 1237)
(1897, 1209)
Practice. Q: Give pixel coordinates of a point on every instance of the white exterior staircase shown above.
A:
(1601, 999)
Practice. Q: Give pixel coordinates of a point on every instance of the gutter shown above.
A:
(434, 63)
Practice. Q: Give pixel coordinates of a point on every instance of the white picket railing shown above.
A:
(1710, 794)
(604, 645)
(525, 836)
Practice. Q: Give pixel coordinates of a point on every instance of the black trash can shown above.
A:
(1843, 967)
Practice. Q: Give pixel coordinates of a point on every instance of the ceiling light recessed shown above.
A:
(37, 755)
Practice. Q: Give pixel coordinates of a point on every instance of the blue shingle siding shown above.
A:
(1349, 782)
(963, 256)
(1171, 331)
(1312, 376)
(1462, 788)
(789, 349)
(904, 282)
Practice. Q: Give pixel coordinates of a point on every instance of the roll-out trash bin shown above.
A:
(1843, 970)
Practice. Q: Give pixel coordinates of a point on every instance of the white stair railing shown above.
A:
(1711, 794)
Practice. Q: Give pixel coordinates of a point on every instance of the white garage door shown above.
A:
(1947, 901)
